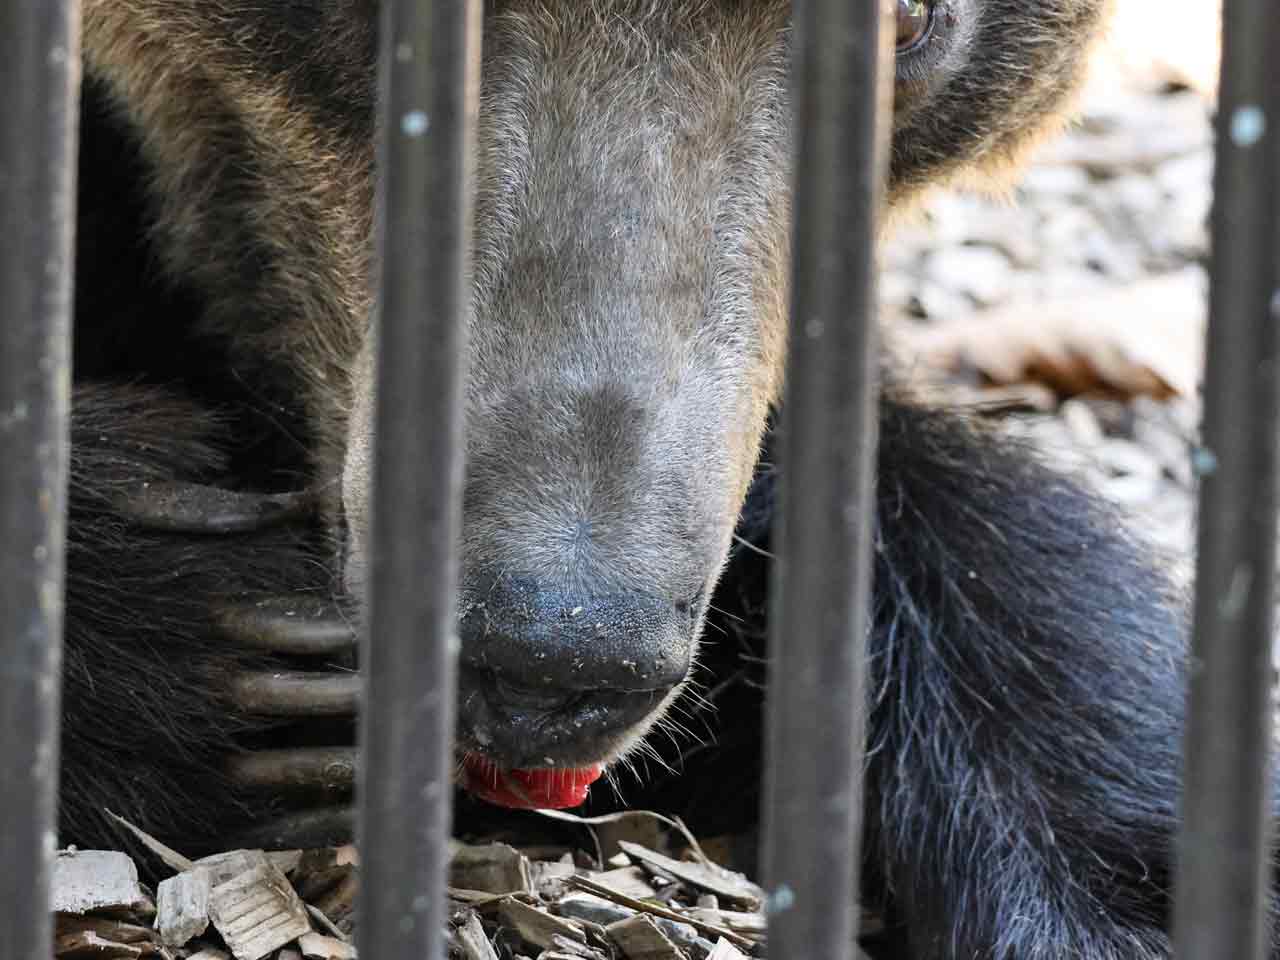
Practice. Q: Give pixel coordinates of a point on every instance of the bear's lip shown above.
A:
(560, 730)
(552, 788)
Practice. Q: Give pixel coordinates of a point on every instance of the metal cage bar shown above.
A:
(39, 74)
(430, 92)
(1224, 847)
(812, 798)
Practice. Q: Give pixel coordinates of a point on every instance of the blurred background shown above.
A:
(1072, 309)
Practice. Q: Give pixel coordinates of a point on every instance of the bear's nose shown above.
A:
(552, 679)
(541, 644)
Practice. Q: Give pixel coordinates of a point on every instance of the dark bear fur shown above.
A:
(147, 724)
(1026, 693)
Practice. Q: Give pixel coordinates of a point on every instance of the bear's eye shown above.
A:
(915, 18)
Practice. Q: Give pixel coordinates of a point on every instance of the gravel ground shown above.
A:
(1092, 269)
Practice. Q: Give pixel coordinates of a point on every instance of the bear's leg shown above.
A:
(153, 660)
(1026, 684)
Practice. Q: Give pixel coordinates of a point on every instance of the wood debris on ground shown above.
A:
(548, 903)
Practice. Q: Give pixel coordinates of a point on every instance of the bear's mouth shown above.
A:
(547, 728)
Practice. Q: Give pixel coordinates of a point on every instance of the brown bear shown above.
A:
(626, 338)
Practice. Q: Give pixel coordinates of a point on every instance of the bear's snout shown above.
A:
(550, 678)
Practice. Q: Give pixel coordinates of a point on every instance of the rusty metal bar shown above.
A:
(813, 798)
(1224, 847)
(39, 74)
(430, 91)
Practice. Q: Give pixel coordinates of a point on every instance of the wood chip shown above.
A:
(639, 938)
(322, 860)
(223, 866)
(631, 881)
(182, 907)
(328, 881)
(469, 939)
(598, 910)
(289, 860)
(316, 946)
(750, 923)
(730, 887)
(593, 909)
(537, 927)
(475, 898)
(210, 953)
(493, 867)
(88, 945)
(659, 911)
(327, 925)
(347, 854)
(684, 935)
(170, 857)
(116, 930)
(646, 831)
(548, 852)
(565, 949)
(547, 878)
(257, 912)
(96, 880)
(724, 950)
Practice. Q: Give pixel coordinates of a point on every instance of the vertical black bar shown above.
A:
(39, 77)
(1224, 847)
(430, 89)
(813, 798)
